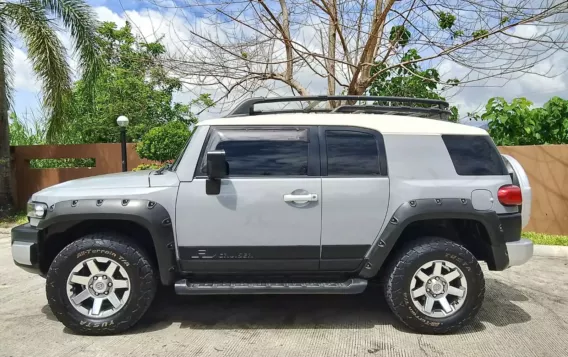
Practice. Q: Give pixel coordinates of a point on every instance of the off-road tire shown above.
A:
(143, 283)
(408, 260)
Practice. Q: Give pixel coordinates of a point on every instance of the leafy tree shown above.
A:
(133, 83)
(518, 123)
(22, 134)
(36, 134)
(409, 81)
(34, 21)
(480, 33)
(446, 20)
(165, 142)
(399, 35)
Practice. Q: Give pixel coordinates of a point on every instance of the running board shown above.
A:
(350, 286)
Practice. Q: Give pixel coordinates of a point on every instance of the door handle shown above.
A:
(308, 197)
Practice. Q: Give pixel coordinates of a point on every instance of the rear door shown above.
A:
(267, 216)
(355, 194)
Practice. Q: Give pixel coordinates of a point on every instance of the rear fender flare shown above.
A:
(426, 209)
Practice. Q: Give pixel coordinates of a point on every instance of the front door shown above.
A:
(267, 216)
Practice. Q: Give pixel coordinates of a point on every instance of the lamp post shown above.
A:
(122, 122)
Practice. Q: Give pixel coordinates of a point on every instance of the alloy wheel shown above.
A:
(438, 288)
(98, 287)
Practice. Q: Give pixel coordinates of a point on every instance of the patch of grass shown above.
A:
(13, 220)
(546, 239)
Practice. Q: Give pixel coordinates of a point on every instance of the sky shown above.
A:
(149, 21)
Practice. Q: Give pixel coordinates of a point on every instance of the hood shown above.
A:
(133, 184)
(129, 179)
(125, 185)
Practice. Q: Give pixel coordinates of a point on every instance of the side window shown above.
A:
(351, 153)
(262, 152)
(474, 155)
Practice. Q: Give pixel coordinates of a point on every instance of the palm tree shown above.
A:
(37, 21)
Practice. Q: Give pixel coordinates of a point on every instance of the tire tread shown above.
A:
(135, 256)
(400, 266)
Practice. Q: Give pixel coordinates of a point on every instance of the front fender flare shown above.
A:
(148, 214)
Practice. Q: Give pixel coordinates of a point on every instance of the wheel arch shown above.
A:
(451, 218)
(146, 222)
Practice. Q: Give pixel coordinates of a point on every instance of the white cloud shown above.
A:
(150, 24)
(549, 79)
(174, 28)
(105, 14)
(24, 77)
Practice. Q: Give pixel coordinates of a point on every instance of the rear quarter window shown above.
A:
(474, 155)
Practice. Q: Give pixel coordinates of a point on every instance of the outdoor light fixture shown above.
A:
(122, 122)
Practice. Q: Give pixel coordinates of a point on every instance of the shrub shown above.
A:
(163, 143)
(146, 167)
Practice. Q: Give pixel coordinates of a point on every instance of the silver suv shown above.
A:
(312, 200)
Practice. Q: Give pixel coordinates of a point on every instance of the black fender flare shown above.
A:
(148, 214)
(439, 208)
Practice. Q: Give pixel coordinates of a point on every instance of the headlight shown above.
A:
(36, 209)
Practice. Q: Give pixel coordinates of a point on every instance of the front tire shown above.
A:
(100, 284)
(434, 286)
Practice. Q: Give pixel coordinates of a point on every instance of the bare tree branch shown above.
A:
(327, 46)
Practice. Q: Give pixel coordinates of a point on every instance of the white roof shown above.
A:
(386, 124)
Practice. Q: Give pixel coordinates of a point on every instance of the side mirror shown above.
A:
(217, 168)
(216, 164)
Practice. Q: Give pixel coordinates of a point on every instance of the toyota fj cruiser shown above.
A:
(303, 201)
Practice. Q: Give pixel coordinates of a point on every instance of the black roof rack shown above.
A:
(391, 105)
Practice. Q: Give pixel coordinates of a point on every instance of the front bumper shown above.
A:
(519, 251)
(25, 247)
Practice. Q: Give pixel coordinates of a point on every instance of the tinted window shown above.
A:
(351, 153)
(266, 158)
(474, 155)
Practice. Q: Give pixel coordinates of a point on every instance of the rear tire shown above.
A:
(434, 286)
(100, 284)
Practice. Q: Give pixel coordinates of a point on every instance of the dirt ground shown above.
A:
(525, 313)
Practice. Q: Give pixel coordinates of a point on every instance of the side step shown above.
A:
(350, 286)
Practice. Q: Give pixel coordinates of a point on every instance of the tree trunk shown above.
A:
(362, 76)
(5, 167)
(331, 52)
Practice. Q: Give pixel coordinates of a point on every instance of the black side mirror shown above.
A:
(217, 169)
(216, 164)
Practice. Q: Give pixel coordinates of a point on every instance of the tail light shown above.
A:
(510, 195)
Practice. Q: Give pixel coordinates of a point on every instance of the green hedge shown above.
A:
(546, 239)
(164, 143)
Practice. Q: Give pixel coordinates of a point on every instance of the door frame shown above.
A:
(314, 162)
(291, 259)
(322, 129)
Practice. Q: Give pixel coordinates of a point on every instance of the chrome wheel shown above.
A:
(438, 288)
(98, 287)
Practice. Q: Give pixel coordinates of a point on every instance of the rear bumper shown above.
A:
(25, 244)
(511, 225)
(519, 251)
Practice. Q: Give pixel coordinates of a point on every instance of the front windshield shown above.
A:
(176, 163)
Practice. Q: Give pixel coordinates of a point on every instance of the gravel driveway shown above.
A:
(525, 314)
